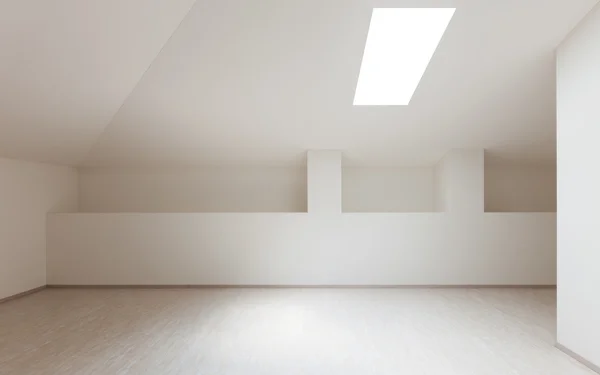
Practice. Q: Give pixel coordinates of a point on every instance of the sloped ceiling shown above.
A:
(66, 66)
(144, 83)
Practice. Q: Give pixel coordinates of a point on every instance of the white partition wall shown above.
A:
(325, 246)
(578, 99)
(302, 249)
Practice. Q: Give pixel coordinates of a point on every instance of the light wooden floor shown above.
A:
(283, 331)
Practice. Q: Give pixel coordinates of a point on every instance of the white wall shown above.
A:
(578, 99)
(507, 189)
(439, 184)
(27, 192)
(460, 175)
(324, 184)
(193, 190)
(388, 189)
(463, 247)
(520, 188)
(302, 249)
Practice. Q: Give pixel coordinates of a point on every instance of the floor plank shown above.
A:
(283, 331)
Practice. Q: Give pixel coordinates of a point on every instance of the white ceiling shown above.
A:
(151, 82)
(66, 66)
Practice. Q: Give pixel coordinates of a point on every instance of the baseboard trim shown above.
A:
(22, 294)
(232, 286)
(578, 358)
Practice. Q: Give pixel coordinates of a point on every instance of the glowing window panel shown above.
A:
(400, 44)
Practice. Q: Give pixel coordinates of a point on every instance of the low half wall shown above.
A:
(296, 249)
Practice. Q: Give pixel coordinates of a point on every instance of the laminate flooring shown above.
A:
(283, 331)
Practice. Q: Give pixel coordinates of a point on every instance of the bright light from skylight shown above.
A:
(400, 43)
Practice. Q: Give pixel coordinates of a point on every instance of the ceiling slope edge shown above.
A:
(82, 161)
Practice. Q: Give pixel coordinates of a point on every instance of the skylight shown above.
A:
(400, 43)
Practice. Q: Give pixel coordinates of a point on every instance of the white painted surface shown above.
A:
(223, 91)
(461, 179)
(193, 189)
(579, 190)
(302, 249)
(439, 185)
(67, 66)
(520, 188)
(508, 188)
(27, 192)
(324, 181)
(388, 189)
(248, 189)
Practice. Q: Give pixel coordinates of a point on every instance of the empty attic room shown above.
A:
(299, 187)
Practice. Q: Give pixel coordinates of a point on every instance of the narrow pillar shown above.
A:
(460, 181)
(324, 178)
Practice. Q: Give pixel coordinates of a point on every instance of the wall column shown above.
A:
(324, 178)
(578, 203)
